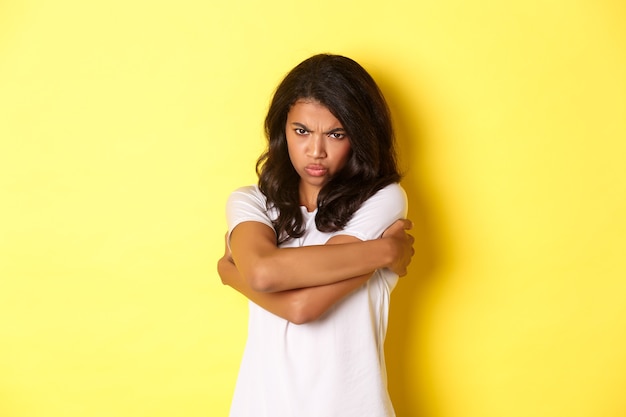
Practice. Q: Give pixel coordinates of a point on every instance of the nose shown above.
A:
(317, 146)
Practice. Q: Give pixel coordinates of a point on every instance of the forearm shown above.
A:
(327, 264)
(298, 305)
(266, 266)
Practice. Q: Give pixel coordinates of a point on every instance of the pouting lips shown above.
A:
(315, 170)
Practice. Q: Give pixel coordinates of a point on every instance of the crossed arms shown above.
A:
(300, 284)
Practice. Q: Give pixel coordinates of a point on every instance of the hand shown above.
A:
(227, 254)
(225, 265)
(402, 244)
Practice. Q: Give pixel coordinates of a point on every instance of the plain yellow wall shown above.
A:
(125, 124)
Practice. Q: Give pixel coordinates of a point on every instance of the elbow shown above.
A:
(301, 317)
(302, 310)
(261, 279)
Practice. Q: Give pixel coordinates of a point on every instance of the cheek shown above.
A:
(344, 154)
(347, 150)
(295, 153)
(291, 147)
(292, 155)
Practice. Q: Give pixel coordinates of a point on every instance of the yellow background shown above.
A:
(125, 124)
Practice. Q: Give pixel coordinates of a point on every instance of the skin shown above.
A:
(300, 284)
(304, 305)
(318, 147)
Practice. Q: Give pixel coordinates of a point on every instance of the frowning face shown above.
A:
(318, 146)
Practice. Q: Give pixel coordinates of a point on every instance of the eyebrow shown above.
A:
(303, 126)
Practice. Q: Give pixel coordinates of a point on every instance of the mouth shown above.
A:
(315, 170)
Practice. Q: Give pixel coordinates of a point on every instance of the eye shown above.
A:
(337, 135)
(300, 131)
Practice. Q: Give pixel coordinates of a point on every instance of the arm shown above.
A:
(299, 305)
(263, 265)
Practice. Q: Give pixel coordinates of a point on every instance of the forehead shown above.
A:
(311, 111)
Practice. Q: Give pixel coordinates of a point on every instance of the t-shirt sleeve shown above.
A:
(246, 204)
(377, 213)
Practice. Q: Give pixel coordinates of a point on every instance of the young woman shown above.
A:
(317, 247)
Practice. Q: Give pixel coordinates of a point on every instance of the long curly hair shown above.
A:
(353, 97)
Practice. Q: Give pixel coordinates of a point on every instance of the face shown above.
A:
(318, 145)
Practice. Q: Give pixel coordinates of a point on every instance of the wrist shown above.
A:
(386, 251)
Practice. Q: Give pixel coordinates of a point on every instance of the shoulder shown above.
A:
(248, 191)
(390, 200)
(247, 204)
(377, 213)
(392, 195)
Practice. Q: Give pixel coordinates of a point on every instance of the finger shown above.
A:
(406, 224)
(400, 223)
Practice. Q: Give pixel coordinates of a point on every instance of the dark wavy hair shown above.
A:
(352, 96)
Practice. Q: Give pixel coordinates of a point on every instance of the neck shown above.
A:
(308, 198)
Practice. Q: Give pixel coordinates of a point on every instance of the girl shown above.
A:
(317, 247)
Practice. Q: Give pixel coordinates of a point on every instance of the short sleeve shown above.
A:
(377, 213)
(246, 204)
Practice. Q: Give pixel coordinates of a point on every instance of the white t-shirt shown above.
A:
(334, 366)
